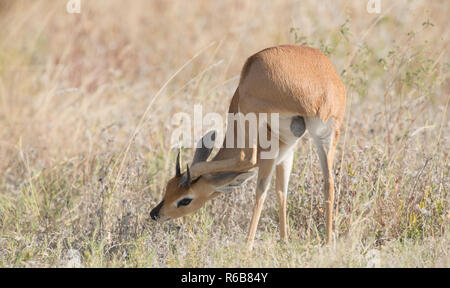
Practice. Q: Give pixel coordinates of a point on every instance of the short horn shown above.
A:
(186, 179)
(178, 170)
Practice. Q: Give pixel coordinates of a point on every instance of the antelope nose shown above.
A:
(154, 214)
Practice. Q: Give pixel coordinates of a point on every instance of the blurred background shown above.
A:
(85, 106)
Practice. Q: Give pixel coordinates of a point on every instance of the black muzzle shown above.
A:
(154, 214)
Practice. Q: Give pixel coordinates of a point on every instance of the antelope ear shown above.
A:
(225, 182)
(204, 147)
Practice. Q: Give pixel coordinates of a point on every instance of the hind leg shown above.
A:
(283, 173)
(325, 135)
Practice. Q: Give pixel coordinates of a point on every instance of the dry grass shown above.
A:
(76, 187)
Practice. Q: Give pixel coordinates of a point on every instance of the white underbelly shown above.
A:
(285, 135)
(284, 132)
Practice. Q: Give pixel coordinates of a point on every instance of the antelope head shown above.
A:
(186, 193)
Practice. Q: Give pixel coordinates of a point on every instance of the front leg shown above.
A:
(266, 167)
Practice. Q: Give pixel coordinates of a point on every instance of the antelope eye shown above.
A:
(184, 202)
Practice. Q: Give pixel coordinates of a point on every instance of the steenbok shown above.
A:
(301, 85)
